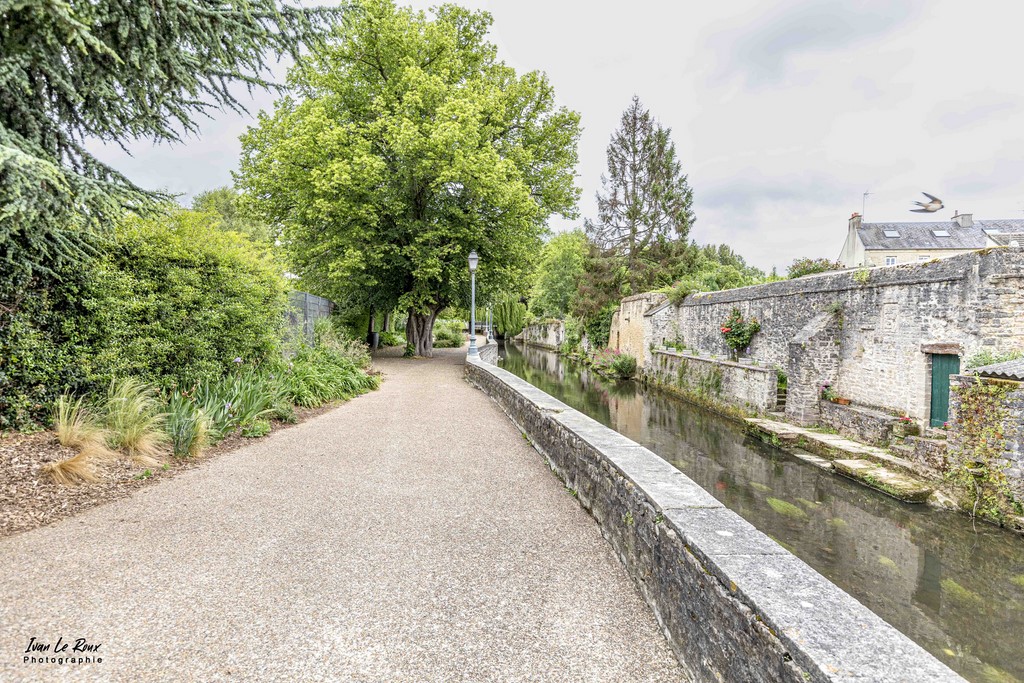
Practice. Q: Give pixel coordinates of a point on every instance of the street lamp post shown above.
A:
(473, 260)
(490, 323)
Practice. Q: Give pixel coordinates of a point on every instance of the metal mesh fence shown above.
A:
(304, 309)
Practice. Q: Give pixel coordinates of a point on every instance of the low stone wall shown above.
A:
(489, 353)
(749, 387)
(860, 424)
(734, 605)
(548, 335)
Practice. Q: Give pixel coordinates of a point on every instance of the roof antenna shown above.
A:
(863, 203)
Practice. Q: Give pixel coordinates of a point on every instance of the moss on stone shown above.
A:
(786, 508)
(957, 593)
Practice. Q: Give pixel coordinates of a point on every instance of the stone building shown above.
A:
(890, 244)
(887, 339)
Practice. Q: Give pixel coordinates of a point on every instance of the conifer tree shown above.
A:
(113, 70)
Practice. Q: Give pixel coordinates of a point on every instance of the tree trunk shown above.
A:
(419, 331)
(387, 322)
(371, 333)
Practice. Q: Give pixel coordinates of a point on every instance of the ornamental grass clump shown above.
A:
(237, 400)
(77, 427)
(317, 376)
(134, 420)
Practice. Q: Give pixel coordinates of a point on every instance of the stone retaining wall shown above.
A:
(548, 335)
(734, 605)
(860, 424)
(709, 380)
(882, 323)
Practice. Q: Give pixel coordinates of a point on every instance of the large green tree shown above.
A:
(407, 144)
(112, 70)
(645, 198)
(561, 266)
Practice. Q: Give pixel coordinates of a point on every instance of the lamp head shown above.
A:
(473, 260)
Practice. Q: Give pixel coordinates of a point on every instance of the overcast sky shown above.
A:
(783, 113)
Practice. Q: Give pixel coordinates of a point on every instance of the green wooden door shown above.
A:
(943, 366)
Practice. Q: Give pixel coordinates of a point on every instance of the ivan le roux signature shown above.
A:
(80, 645)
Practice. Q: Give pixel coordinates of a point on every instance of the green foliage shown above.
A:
(256, 429)
(134, 418)
(738, 332)
(562, 263)
(114, 70)
(977, 468)
(573, 336)
(238, 399)
(809, 266)
(317, 376)
(862, 276)
(448, 334)
(987, 357)
(645, 196)
(176, 302)
(187, 426)
(223, 205)
(599, 326)
(408, 145)
(330, 334)
(613, 363)
(392, 339)
(509, 317)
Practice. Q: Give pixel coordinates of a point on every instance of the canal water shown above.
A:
(954, 586)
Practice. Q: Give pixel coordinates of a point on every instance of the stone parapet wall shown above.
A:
(734, 605)
(889, 319)
(751, 388)
(489, 353)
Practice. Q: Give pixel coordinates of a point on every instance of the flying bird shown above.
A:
(931, 207)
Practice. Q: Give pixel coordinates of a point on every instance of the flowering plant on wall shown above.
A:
(738, 332)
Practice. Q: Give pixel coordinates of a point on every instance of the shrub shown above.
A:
(256, 429)
(187, 426)
(599, 326)
(984, 358)
(392, 339)
(448, 334)
(135, 423)
(809, 266)
(330, 334)
(612, 363)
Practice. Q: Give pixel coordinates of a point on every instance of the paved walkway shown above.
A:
(409, 535)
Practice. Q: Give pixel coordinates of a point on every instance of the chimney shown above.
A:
(963, 220)
(855, 221)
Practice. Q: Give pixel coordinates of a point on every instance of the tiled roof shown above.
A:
(921, 235)
(1011, 369)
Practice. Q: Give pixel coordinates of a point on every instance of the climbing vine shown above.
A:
(977, 469)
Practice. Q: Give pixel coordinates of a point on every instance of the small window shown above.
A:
(923, 257)
(892, 233)
(940, 233)
(890, 260)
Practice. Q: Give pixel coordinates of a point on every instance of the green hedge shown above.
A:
(171, 301)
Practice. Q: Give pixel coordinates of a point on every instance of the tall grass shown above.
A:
(76, 426)
(317, 376)
(78, 469)
(238, 400)
(187, 425)
(135, 422)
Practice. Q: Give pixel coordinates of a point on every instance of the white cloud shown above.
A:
(782, 117)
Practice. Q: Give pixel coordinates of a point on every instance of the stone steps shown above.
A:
(896, 484)
(874, 467)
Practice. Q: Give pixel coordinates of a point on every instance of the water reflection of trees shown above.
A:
(951, 587)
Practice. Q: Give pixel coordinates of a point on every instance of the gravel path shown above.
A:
(409, 535)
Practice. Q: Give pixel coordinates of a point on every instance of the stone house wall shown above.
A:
(627, 330)
(888, 322)
(547, 335)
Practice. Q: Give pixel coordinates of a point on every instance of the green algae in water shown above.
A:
(786, 508)
(760, 487)
(809, 504)
(1019, 580)
(837, 523)
(957, 593)
(887, 563)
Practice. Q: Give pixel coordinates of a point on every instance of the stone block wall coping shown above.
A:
(950, 348)
(822, 632)
(719, 361)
